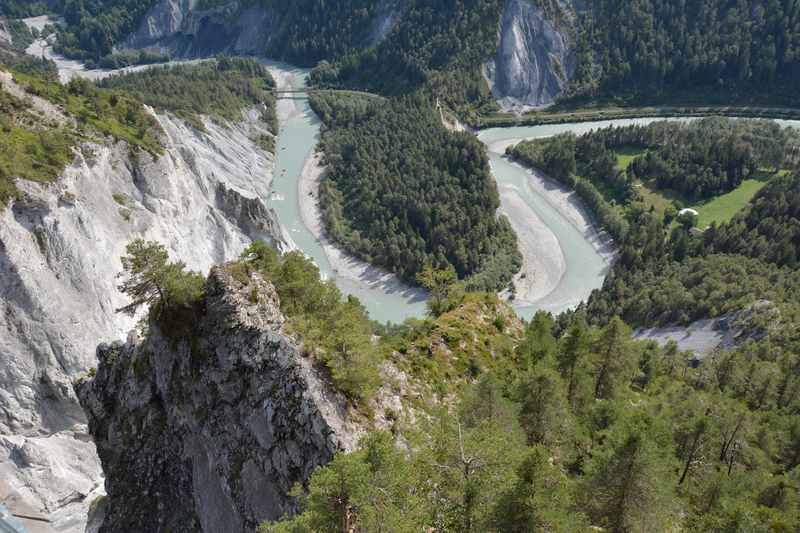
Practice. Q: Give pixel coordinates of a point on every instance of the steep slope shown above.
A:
(300, 32)
(186, 30)
(225, 424)
(535, 58)
(59, 246)
(534, 62)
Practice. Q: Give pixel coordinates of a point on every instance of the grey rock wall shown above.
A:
(210, 434)
(182, 29)
(535, 59)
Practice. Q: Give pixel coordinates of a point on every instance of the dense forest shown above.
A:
(727, 50)
(436, 46)
(665, 275)
(311, 30)
(741, 51)
(403, 192)
(769, 229)
(580, 428)
(221, 89)
(93, 27)
(24, 8)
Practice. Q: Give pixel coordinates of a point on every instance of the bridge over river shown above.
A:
(305, 92)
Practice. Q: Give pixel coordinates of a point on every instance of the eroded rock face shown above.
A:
(184, 29)
(5, 36)
(187, 30)
(535, 59)
(60, 249)
(210, 433)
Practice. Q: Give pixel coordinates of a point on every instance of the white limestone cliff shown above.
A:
(535, 57)
(60, 248)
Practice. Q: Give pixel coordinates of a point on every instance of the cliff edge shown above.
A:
(210, 432)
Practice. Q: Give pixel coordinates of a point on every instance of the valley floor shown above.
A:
(352, 274)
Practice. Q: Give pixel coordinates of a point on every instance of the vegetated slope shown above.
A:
(731, 50)
(94, 28)
(587, 429)
(220, 89)
(23, 8)
(39, 142)
(650, 50)
(313, 30)
(439, 47)
(403, 192)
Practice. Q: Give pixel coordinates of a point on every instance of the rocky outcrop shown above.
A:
(5, 35)
(210, 433)
(535, 57)
(710, 335)
(185, 30)
(59, 255)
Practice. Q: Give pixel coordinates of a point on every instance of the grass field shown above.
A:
(717, 210)
(723, 208)
(626, 155)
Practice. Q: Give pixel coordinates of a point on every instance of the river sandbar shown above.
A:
(343, 264)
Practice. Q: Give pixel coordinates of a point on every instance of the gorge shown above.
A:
(232, 419)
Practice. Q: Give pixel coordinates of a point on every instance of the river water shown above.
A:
(581, 261)
(585, 258)
(298, 137)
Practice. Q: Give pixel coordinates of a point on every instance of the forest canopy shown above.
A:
(726, 50)
(685, 162)
(403, 192)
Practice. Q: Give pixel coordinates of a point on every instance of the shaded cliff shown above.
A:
(535, 58)
(210, 433)
(188, 28)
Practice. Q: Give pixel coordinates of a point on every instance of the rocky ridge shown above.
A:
(211, 433)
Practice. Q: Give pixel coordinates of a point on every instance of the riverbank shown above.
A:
(541, 118)
(543, 261)
(564, 255)
(344, 265)
(564, 200)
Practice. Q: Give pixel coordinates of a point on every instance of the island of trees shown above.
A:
(402, 192)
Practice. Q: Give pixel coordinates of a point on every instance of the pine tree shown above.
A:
(630, 484)
(614, 359)
(544, 410)
(539, 501)
(539, 343)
